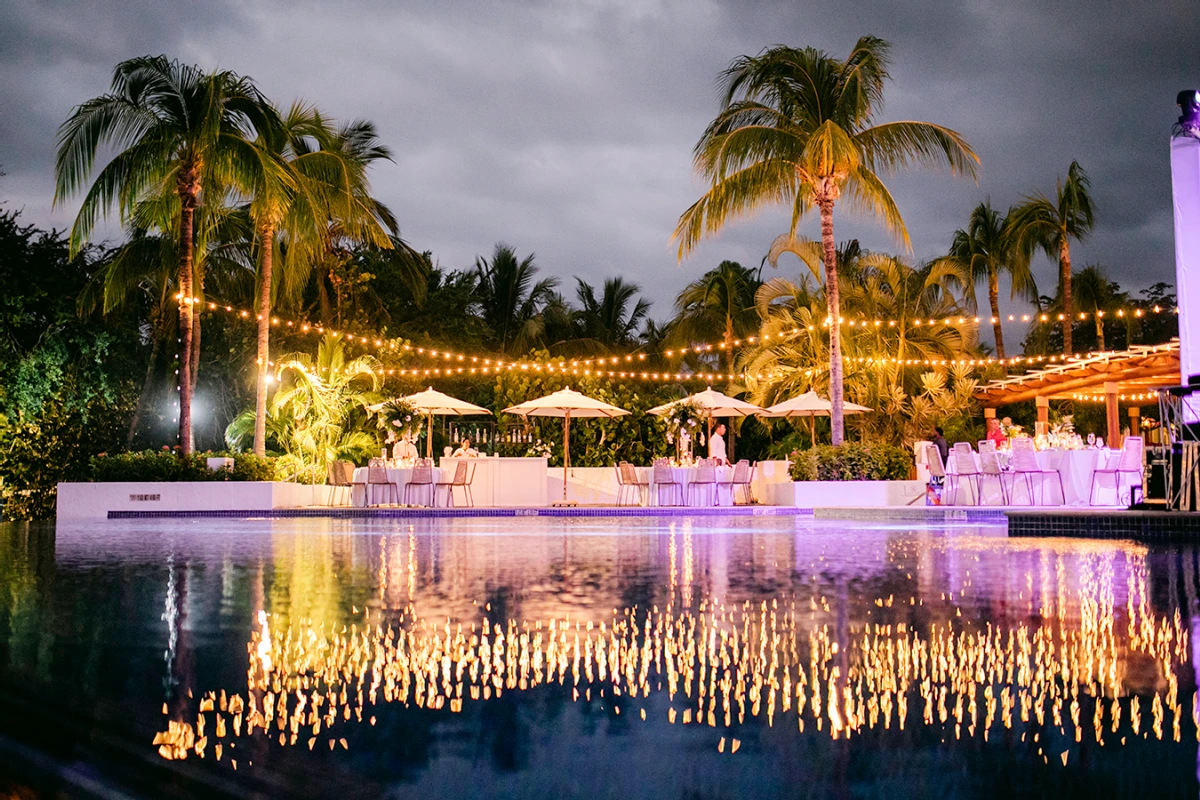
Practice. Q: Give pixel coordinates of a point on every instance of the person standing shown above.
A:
(943, 447)
(994, 433)
(716, 446)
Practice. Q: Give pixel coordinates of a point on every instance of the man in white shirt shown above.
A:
(405, 449)
(716, 445)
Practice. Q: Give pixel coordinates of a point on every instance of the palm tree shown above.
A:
(509, 297)
(1050, 225)
(796, 127)
(609, 320)
(309, 181)
(1096, 295)
(177, 129)
(984, 250)
(717, 305)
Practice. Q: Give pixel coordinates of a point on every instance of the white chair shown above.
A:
(628, 480)
(706, 475)
(990, 468)
(662, 474)
(1129, 462)
(965, 469)
(743, 476)
(377, 477)
(987, 446)
(1025, 466)
(459, 479)
(933, 462)
(422, 477)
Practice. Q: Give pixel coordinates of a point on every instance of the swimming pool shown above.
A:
(636, 657)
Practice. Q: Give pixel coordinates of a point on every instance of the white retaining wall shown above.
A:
(95, 500)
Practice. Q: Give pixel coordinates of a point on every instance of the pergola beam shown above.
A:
(999, 396)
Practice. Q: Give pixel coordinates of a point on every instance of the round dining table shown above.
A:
(400, 476)
(703, 495)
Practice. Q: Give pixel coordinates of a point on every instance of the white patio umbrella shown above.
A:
(566, 403)
(431, 402)
(811, 405)
(715, 403)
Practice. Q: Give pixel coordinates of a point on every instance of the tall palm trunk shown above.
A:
(187, 196)
(1064, 260)
(833, 299)
(1099, 329)
(994, 299)
(264, 334)
(155, 346)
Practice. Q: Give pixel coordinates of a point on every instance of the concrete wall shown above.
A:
(856, 494)
(95, 500)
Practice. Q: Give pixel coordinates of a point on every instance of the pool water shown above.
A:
(623, 658)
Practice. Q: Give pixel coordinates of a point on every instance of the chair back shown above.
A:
(987, 446)
(933, 457)
(741, 472)
(333, 473)
(989, 461)
(422, 472)
(964, 459)
(628, 473)
(619, 468)
(470, 472)
(705, 472)
(460, 473)
(1131, 455)
(663, 472)
(346, 473)
(377, 471)
(1024, 457)
(919, 452)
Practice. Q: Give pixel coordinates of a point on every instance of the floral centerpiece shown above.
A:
(539, 449)
(685, 424)
(399, 417)
(1061, 436)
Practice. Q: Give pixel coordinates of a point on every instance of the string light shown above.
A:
(1135, 397)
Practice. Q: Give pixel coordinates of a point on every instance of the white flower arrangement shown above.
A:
(539, 449)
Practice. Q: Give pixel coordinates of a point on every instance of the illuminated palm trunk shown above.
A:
(264, 336)
(1064, 258)
(187, 213)
(833, 299)
(994, 299)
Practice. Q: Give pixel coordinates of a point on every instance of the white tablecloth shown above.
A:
(1075, 466)
(702, 495)
(397, 475)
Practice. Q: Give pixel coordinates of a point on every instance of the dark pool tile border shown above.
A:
(928, 514)
(1145, 526)
(467, 513)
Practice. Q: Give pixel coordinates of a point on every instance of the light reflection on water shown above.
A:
(702, 657)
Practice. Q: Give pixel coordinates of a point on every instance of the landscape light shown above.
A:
(1189, 113)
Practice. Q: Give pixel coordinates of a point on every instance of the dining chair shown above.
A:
(663, 474)
(705, 475)
(377, 476)
(965, 469)
(990, 468)
(743, 475)
(459, 479)
(1025, 466)
(986, 446)
(422, 477)
(339, 477)
(1129, 462)
(933, 462)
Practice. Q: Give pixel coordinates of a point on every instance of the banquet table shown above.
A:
(1075, 466)
(399, 476)
(701, 496)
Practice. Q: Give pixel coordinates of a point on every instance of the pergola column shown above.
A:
(1135, 421)
(1113, 439)
(988, 413)
(1043, 415)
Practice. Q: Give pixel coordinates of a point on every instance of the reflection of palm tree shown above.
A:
(1040, 223)
(717, 305)
(181, 134)
(509, 297)
(984, 250)
(796, 127)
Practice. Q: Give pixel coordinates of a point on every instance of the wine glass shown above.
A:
(1091, 440)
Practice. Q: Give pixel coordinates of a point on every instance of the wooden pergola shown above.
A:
(1129, 375)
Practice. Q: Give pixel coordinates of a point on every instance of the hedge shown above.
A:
(851, 462)
(152, 466)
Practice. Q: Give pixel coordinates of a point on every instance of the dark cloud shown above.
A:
(565, 127)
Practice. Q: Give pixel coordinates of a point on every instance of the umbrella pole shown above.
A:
(566, 451)
(429, 437)
(812, 430)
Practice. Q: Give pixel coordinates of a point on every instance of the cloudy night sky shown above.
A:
(565, 127)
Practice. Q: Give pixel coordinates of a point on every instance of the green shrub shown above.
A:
(851, 462)
(152, 466)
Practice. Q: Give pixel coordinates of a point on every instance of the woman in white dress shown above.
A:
(465, 450)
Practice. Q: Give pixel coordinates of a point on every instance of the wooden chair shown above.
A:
(1129, 462)
(662, 474)
(422, 477)
(377, 476)
(461, 469)
(706, 475)
(965, 469)
(1024, 465)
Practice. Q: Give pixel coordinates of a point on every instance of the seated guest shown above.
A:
(716, 446)
(994, 434)
(465, 450)
(405, 449)
(939, 441)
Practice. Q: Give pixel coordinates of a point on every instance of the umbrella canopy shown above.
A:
(431, 402)
(809, 404)
(566, 403)
(715, 403)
